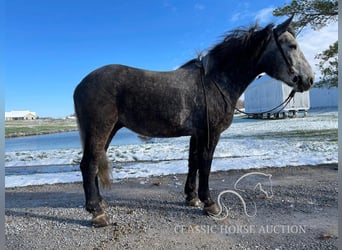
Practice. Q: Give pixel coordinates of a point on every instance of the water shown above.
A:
(66, 140)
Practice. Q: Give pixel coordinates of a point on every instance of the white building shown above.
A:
(266, 93)
(324, 97)
(20, 115)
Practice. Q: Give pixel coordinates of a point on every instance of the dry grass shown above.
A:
(39, 126)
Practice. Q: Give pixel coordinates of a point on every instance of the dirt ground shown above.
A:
(150, 213)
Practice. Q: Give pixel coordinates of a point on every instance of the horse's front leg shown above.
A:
(205, 160)
(190, 185)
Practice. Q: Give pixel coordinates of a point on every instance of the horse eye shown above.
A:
(293, 46)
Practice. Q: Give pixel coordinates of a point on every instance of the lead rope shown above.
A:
(284, 104)
(206, 105)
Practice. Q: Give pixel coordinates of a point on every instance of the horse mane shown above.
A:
(194, 61)
(240, 38)
(238, 45)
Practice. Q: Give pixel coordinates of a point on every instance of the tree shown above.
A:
(328, 66)
(316, 14)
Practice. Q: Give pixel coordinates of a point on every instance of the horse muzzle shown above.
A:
(301, 85)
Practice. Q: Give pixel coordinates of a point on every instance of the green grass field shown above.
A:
(38, 127)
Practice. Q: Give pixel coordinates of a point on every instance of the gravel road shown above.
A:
(150, 213)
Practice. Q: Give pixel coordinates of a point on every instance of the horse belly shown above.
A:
(157, 116)
(159, 124)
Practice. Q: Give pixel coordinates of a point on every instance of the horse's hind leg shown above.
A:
(94, 202)
(96, 135)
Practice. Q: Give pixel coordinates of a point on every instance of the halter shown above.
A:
(288, 64)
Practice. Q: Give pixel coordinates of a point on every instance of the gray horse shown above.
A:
(197, 100)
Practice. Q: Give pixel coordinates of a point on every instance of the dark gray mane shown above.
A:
(241, 39)
(193, 62)
(237, 46)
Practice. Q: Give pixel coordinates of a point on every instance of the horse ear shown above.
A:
(281, 28)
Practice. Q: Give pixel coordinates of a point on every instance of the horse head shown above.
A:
(259, 181)
(267, 189)
(283, 59)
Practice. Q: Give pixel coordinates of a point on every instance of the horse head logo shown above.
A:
(249, 184)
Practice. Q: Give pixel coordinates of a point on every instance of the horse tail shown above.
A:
(78, 113)
(104, 172)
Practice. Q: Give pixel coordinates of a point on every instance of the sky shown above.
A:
(50, 46)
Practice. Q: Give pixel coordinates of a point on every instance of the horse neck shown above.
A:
(235, 81)
(235, 67)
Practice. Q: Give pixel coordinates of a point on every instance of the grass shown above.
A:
(38, 127)
(327, 134)
(322, 134)
(46, 126)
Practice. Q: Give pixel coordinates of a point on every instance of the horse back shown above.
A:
(152, 103)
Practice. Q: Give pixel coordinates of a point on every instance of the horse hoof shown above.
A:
(213, 209)
(195, 202)
(100, 220)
